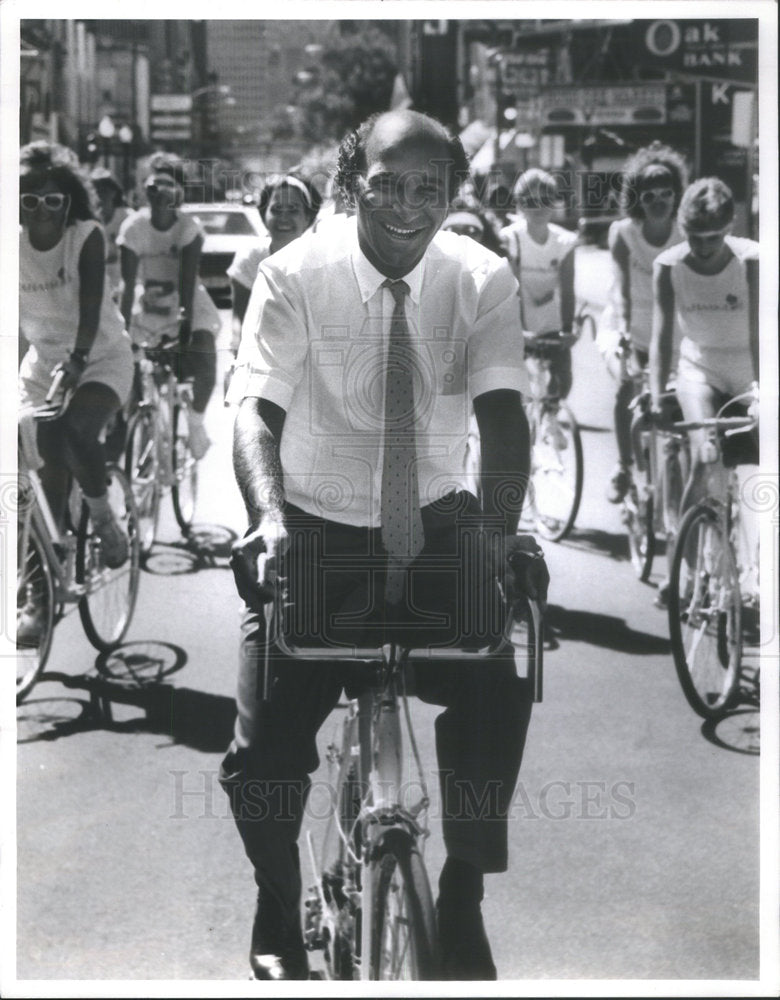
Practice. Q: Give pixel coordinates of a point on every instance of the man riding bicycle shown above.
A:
(362, 353)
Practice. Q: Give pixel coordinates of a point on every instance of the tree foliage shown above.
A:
(352, 78)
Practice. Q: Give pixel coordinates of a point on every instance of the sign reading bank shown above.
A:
(724, 48)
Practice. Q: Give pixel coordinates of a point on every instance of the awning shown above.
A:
(511, 144)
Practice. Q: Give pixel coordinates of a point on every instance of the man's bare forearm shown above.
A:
(505, 450)
(257, 464)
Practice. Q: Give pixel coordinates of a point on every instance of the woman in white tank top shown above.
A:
(653, 183)
(70, 324)
(709, 286)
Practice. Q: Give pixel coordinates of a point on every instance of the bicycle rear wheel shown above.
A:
(705, 613)
(184, 490)
(403, 937)
(35, 614)
(142, 469)
(106, 608)
(555, 489)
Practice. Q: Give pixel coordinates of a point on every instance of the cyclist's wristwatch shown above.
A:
(80, 355)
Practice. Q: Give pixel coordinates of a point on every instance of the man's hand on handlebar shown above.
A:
(524, 556)
(254, 560)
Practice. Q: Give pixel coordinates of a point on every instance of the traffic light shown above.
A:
(91, 148)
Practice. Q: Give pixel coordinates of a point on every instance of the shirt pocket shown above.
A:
(446, 361)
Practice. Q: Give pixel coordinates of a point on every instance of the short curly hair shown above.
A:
(648, 167)
(352, 154)
(707, 204)
(290, 180)
(41, 161)
(167, 163)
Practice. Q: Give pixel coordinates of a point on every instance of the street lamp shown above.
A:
(106, 132)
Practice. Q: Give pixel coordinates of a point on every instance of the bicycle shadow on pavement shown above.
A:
(597, 629)
(200, 548)
(608, 543)
(739, 729)
(132, 676)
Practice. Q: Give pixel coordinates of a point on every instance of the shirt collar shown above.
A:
(370, 280)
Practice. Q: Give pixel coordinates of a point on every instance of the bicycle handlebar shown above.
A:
(728, 425)
(373, 654)
(53, 407)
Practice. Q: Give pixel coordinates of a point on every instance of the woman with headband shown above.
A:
(288, 206)
(160, 248)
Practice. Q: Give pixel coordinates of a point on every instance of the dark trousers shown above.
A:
(335, 593)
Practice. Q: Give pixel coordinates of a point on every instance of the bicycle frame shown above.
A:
(161, 393)
(373, 733)
(37, 513)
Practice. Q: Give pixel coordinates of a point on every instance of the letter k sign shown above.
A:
(711, 34)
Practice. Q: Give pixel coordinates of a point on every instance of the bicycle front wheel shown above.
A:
(107, 606)
(637, 516)
(34, 614)
(403, 937)
(142, 469)
(705, 613)
(555, 489)
(184, 491)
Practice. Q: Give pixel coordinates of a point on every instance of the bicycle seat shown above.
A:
(553, 341)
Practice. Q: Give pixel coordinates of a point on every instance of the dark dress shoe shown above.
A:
(463, 944)
(277, 950)
(290, 964)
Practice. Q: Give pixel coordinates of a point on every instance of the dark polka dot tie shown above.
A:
(402, 532)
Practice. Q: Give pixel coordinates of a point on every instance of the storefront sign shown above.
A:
(523, 70)
(622, 105)
(724, 48)
(170, 116)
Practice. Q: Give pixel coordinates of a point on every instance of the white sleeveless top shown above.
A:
(538, 273)
(159, 252)
(49, 297)
(641, 256)
(711, 309)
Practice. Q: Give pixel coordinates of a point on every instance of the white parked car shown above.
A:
(229, 227)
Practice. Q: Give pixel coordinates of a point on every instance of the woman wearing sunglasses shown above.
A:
(708, 285)
(653, 182)
(160, 249)
(70, 325)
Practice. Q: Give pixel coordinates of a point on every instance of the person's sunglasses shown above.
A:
(53, 201)
(654, 194)
(166, 186)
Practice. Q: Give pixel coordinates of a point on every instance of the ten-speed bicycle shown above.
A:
(370, 909)
(58, 567)
(555, 490)
(651, 503)
(158, 457)
(706, 608)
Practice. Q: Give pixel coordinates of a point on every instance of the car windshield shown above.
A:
(224, 223)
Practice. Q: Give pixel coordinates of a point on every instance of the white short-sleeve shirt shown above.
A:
(315, 340)
(243, 270)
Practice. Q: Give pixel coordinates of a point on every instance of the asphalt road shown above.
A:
(634, 837)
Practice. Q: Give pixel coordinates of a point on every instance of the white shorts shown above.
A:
(150, 328)
(729, 372)
(113, 368)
